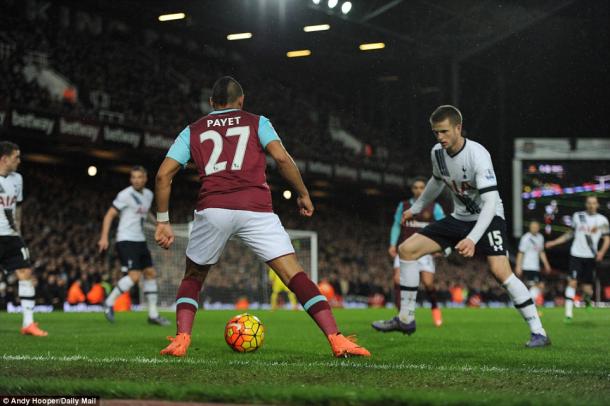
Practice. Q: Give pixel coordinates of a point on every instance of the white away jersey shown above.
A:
(134, 207)
(531, 246)
(468, 174)
(11, 192)
(588, 229)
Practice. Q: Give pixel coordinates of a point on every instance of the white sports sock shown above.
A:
(569, 296)
(409, 283)
(150, 289)
(124, 284)
(523, 303)
(534, 293)
(27, 293)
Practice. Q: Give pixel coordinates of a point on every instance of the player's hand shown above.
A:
(164, 235)
(406, 216)
(465, 247)
(518, 271)
(305, 206)
(547, 270)
(549, 245)
(102, 244)
(599, 257)
(392, 251)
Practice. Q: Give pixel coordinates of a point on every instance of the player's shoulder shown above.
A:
(475, 148)
(436, 147)
(148, 193)
(124, 192)
(15, 177)
(602, 218)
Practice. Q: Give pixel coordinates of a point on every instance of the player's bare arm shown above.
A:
(605, 245)
(103, 243)
(545, 262)
(290, 171)
(164, 235)
(18, 218)
(519, 263)
(559, 240)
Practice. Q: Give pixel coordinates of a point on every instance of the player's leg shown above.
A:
(127, 281)
(265, 235)
(274, 297)
(427, 277)
(397, 282)
(150, 288)
(315, 304)
(27, 294)
(211, 230)
(586, 278)
(519, 294)
(587, 291)
(571, 285)
(187, 304)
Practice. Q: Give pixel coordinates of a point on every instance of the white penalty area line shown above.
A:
(314, 364)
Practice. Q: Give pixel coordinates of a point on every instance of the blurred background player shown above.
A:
(14, 255)
(476, 224)
(588, 228)
(277, 287)
(400, 233)
(133, 204)
(228, 147)
(527, 263)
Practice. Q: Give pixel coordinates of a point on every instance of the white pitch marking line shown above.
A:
(337, 364)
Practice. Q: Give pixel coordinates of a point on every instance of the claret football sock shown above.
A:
(524, 304)
(313, 302)
(432, 297)
(187, 304)
(409, 283)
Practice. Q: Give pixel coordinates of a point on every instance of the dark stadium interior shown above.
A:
(150, 79)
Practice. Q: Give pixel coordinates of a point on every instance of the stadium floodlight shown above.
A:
(316, 2)
(346, 7)
(287, 194)
(238, 36)
(298, 53)
(171, 17)
(372, 46)
(92, 171)
(332, 3)
(319, 27)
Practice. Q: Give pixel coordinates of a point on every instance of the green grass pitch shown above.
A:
(476, 357)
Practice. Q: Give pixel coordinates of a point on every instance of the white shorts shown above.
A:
(426, 263)
(212, 228)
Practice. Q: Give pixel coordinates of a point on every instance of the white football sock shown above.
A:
(569, 296)
(27, 295)
(409, 283)
(149, 286)
(523, 303)
(534, 292)
(124, 284)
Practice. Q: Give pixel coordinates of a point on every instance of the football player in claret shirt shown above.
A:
(14, 255)
(399, 233)
(476, 224)
(589, 227)
(228, 148)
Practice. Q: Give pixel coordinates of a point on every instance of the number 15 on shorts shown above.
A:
(495, 240)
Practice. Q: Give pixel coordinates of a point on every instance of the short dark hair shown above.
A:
(444, 112)
(7, 148)
(418, 179)
(226, 90)
(139, 168)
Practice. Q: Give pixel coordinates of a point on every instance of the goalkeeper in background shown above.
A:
(277, 287)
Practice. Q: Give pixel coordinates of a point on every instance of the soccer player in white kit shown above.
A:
(14, 255)
(132, 204)
(589, 227)
(527, 263)
(476, 224)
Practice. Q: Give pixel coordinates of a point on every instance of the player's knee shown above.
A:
(573, 283)
(135, 276)
(408, 252)
(24, 274)
(150, 273)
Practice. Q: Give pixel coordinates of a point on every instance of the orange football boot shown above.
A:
(437, 317)
(33, 330)
(178, 345)
(346, 347)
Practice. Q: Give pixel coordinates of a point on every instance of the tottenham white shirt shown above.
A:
(531, 246)
(468, 174)
(11, 193)
(588, 229)
(133, 207)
